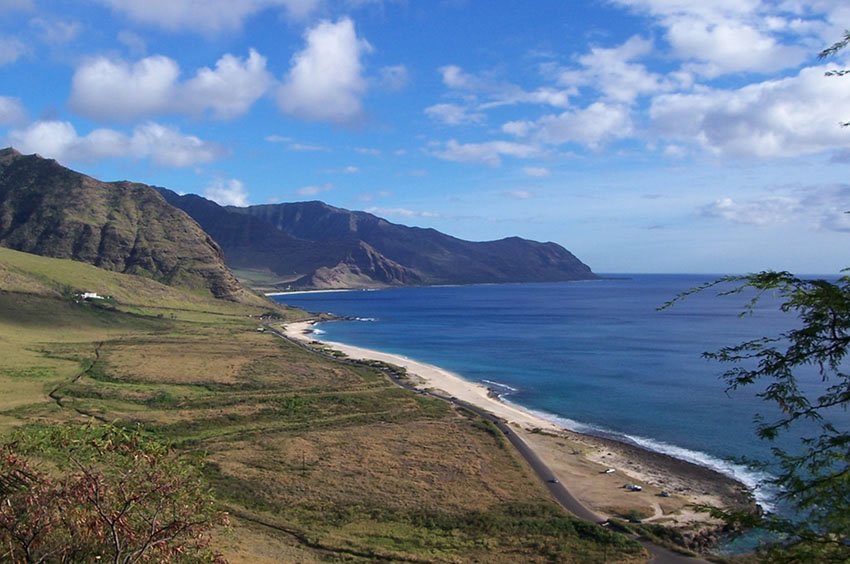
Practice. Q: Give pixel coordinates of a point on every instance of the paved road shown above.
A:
(562, 495)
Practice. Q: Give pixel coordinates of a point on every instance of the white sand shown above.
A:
(432, 378)
(580, 460)
(294, 292)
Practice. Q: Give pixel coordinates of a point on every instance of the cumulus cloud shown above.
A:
(232, 88)
(489, 153)
(753, 212)
(778, 118)
(11, 49)
(163, 145)
(615, 74)
(205, 16)
(227, 192)
(103, 88)
(11, 111)
(453, 114)
(730, 47)
(592, 126)
(109, 89)
(821, 207)
(325, 81)
(727, 36)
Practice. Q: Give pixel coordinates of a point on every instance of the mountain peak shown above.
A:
(47, 209)
(317, 245)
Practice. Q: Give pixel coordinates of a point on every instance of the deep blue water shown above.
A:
(596, 355)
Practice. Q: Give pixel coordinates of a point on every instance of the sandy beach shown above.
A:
(595, 470)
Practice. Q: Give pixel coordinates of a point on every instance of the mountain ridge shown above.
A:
(50, 210)
(323, 246)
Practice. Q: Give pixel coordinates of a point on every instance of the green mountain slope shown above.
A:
(49, 210)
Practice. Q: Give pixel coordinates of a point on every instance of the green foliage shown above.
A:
(815, 480)
(833, 50)
(115, 494)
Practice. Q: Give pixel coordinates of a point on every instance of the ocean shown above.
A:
(595, 356)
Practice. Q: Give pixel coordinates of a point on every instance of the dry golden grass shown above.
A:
(354, 467)
(439, 465)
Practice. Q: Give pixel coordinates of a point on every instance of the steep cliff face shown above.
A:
(49, 210)
(436, 257)
(317, 245)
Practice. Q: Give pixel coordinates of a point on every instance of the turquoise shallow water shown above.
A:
(596, 356)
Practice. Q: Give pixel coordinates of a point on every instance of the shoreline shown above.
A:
(294, 292)
(598, 470)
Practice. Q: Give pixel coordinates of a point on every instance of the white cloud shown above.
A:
(836, 220)
(394, 77)
(11, 49)
(499, 93)
(728, 36)
(613, 72)
(489, 153)
(232, 88)
(592, 126)
(729, 47)
(518, 194)
(278, 139)
(227, 192)
(11, 111)
(306, 148)
(452, 114)
(537, 171)
(325, 81)
(708, 10)
(674, 151)
(401, 212)
(368, 151)
(113, 89)
(314, 190)
(754, 212)
(134, 42)
(163, 145)
(778, 118)
(109, 89)
(454, 77)
(819, 207)
(56, 32)
(206, 16)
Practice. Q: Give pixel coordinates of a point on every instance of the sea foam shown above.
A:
(756, 481)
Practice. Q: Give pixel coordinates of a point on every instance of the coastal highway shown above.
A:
(659, 554)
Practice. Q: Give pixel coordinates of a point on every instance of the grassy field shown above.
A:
(315, 460)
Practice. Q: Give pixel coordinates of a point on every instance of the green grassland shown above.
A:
(316, 460)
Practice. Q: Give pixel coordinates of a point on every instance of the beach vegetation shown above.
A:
(73, 493)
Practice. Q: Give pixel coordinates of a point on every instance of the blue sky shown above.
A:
(643, 135)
